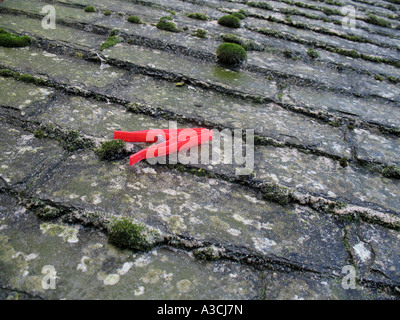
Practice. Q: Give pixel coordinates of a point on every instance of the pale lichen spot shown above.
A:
(31, 256)
(362, 252)
(125, 268)
(185, 286)
(142, 261)
(264, 245)
(68, 234)
(111, 279)
(139, 291)
(82, 265)
(234, 232)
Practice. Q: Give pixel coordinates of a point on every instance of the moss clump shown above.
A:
(200, 33)
(239, 15)
(69, 140)
(330, 12)
(391, 171)
(114, 32)
(126, 234)
(378, 21)
(134, 19)
(378, 77)
(6, 73)
(107, 13)
(312, 53)
(350, 53)
(167, 25)
(248, 45)
(231, 54)
(262, 5)
(232, 38)
(90, 9)
(40, 134)
(26, 78)
(13, 41)
(111, 150)
(198, 16)
(229, 21)
(167, 18)
(111, 42)
(72, 141)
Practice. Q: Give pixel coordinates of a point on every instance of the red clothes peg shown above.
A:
(169, 141)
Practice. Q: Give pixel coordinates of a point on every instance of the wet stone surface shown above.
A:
(197, 207)
(24, 157)
(106, 271)
(319, 199)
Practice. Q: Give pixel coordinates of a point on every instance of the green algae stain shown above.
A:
(225, 74)
(68, 234)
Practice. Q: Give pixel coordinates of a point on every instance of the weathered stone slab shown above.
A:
(266, 119)
(88, 267)
(324, 176)
(94, 118)
(204, 208)
(375, 253)
(67, 69)
(384, 149)
(23, 156)
(369, 110)
(19, 24)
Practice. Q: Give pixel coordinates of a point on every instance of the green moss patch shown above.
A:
(6, 73)
(248, 45)
(262, 5)
(229, 21)
(90, 9)
(127, 234)
(43, 210)
(13, 41)
(378, 21)
(391, 172)
(232, 38)
(111, 42)
(312, 53)
(112, 150)
(166, 24)
(209, 253)
(70, 140)
(231, 54)
(198, 16)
